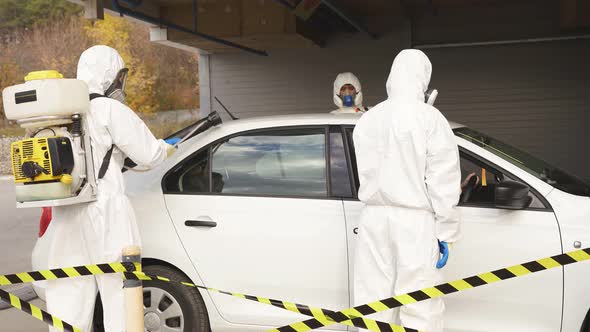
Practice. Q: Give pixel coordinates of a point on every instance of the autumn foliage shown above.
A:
(160, 78)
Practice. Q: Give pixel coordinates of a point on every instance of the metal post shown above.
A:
(133, 293)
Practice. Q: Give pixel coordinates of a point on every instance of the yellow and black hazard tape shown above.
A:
(319, 313)
(323, 317)
(53, 274)
(355, 314)
(67, 272)
(130, 271)
(37, 312)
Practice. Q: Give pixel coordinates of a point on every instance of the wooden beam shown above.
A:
(264, 23)
(575, 14)
(464, 3)
(305, 9)
(221, 18)
(264, 41)
(160, 36)
(147, 7)
(265, 17)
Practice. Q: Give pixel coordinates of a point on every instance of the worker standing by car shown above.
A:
(96, 232)
(348, 94)
(408, 165)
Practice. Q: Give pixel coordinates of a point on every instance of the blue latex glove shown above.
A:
(443, 247)
(172, 140)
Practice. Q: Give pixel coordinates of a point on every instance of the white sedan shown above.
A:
(267, 206)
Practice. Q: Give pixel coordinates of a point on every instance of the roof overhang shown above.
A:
(220, 26)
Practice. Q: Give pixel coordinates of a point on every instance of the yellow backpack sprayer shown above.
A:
(53, 166)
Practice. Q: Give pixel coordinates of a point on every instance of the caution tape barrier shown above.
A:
(319, 313)
(67, 272)
(355, 313)
(37, 312)
(322, 317)
(129, 269)
(53, 274)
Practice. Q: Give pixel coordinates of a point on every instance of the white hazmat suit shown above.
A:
(408, 164)
(341, 80)
(96, 232)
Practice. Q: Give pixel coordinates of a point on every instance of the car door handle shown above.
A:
(200, 223)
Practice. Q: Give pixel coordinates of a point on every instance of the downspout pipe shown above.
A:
(154, 20)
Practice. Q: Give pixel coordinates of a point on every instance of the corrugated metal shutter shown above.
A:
(299, 81)
(533, 96)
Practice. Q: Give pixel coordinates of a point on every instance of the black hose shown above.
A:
(41, 129)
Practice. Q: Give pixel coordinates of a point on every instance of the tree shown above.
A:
(27, 14)
(67, 41)
(141, 84)
(8, 75)
(51, 34)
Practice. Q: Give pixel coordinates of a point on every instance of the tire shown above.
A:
(187, 311)
(586, 323)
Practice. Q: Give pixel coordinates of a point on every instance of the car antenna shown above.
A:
(233, 117)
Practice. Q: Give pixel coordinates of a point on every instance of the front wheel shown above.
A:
(168, 307)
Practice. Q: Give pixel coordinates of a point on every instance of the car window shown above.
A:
(479, 180)
(280, 162)
(535, 166)
(191, 176)
(339, 171)
(483, 193)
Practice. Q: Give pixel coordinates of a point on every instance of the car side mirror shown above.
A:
(512, 195)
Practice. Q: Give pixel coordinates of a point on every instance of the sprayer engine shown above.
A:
(42, 160)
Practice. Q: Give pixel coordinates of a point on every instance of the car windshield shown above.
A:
(537, 167)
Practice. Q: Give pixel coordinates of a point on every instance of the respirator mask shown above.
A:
(347, 100)
(348, 95)
(117, 89)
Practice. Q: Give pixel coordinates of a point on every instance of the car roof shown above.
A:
(295, 120)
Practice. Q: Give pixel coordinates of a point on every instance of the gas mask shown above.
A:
(348, 95)
(347, 100)
(430, 96)
(117, 89)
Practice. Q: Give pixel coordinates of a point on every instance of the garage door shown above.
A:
(534, 96)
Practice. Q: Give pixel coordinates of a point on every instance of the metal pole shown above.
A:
(502, 42)
(133, 292)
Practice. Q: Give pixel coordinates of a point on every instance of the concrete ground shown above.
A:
(18, 233)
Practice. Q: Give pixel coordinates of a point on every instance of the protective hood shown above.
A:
(98, 66)
(410, 75)
(347, 78)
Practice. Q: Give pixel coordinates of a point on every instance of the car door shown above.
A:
(494, 238)
(255, 215)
